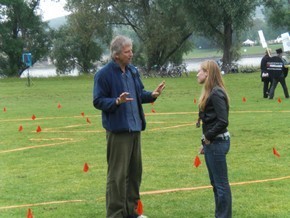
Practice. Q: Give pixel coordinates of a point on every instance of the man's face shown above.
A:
(126, 55)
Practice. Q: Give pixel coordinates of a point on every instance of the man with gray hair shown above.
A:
(119, 93)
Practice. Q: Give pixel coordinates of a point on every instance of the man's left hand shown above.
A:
(158, 90)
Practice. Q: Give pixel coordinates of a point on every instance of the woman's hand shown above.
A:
(206, 141)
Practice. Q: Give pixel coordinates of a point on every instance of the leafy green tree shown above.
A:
(21, 30)
(222, 21)
(262, 22)
(161, 27)
(81, 42)
(278, 13)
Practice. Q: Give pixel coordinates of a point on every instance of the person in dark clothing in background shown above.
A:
(276, 69)
(266, 79)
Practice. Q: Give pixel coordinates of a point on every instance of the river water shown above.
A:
(49, 70)
(193, 65)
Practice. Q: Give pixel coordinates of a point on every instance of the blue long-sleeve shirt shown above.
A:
(132, 109)
(108, 85)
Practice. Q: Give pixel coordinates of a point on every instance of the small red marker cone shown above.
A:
(33, 117)
(20, 128)
(194, 101)
(153, 111)
(4, 109)
(59, 106)
(197, 161)
(275, 152)
(83, 114)
(29, 213)
(139, 208)
(279, 100)
(38, 129)
(86, 167)
(244, 99)
(88, 120)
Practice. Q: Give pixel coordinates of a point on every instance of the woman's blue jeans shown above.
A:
(215, 157)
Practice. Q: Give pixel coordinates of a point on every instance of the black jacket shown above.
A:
(275, 67)
(215, 115)
(263, 65)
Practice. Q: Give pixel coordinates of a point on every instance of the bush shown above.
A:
(248, 69)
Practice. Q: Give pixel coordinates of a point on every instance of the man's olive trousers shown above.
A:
(124, 173)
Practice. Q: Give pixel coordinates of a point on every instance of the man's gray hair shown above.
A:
(118, 44)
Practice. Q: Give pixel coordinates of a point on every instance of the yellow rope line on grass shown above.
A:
(209, 186)
(52, 139)
(39, 204)
(71, 140)
(36, 146)
(44, 118)
(172, 127)
(165, 191)
(75, 131)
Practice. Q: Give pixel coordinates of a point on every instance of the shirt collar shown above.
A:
(117, 67)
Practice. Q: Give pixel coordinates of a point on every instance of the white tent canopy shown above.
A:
(248, 42)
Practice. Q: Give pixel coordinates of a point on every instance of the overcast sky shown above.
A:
(51, 9)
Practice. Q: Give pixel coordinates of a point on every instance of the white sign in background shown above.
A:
(262, 39)
(286, 41)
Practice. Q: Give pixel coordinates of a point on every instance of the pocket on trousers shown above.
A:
(221, 147)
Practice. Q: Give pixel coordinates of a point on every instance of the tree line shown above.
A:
(162, 30)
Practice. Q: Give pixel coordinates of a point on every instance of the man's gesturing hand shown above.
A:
(158, 90)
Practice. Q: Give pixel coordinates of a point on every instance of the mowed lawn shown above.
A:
(44, 171)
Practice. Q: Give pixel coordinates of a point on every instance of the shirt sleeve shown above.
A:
(101, 95)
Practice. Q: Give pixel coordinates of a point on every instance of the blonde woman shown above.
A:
(214, 112)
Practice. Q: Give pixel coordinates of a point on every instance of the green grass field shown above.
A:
(44, 171)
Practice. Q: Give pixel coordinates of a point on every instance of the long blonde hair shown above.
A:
(214, 78)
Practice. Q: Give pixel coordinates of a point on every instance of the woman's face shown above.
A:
(201, 76)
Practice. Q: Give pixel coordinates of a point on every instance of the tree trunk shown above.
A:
(227, 48)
